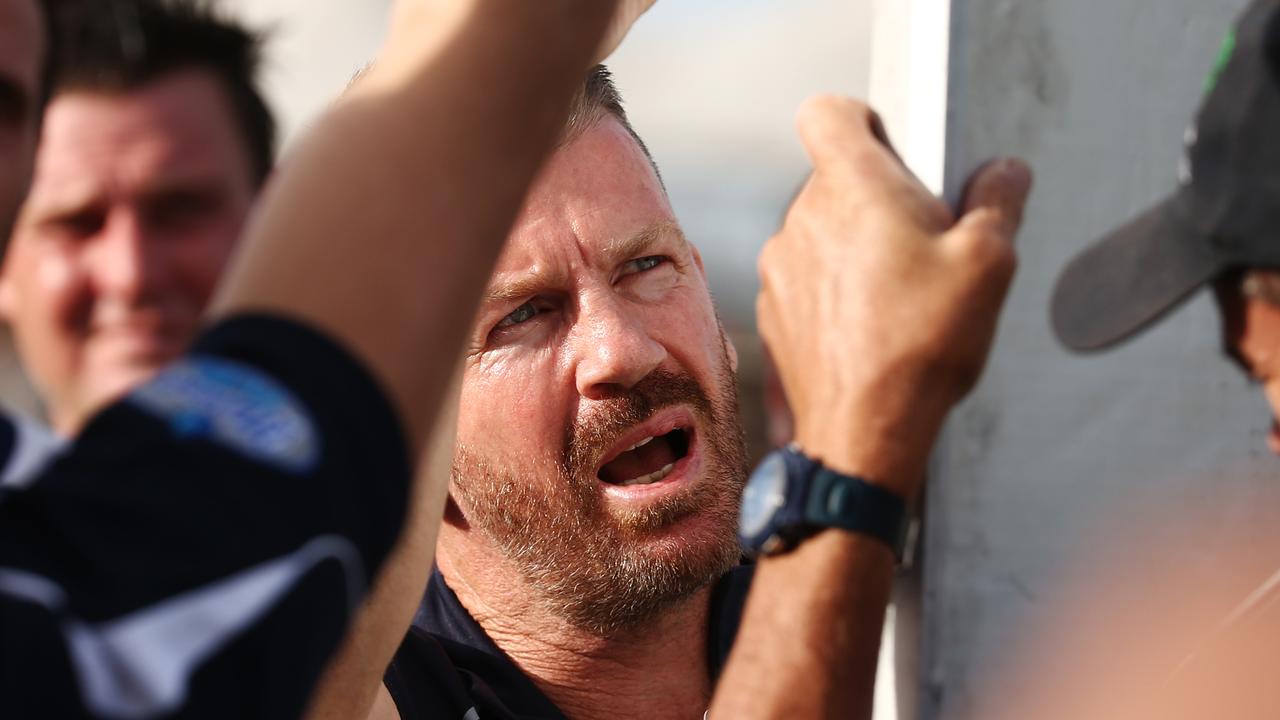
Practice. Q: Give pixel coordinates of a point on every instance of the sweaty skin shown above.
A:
(598, 299)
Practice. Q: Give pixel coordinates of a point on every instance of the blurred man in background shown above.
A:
(155, 141)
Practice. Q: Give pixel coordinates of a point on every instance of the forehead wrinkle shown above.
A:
(511, 286)
(632, 246)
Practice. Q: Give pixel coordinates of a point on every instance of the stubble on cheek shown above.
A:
(596, 567)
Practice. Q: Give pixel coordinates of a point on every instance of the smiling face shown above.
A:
(137, 201)
(21, 59)
(599, 448)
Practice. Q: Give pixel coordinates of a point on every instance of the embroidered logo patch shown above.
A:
(235, 406)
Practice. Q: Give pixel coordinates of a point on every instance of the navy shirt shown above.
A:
(449, 669)
(199, 550)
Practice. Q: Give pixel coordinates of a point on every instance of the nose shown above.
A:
(123, 261)
(614, 348)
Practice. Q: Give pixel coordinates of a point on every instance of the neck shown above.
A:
(656, 671)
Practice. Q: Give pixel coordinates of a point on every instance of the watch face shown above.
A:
(766, 492)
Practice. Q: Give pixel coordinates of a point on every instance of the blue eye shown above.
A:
(645, 263)
(522, 314)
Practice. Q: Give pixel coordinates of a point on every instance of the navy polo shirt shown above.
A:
(448, 668)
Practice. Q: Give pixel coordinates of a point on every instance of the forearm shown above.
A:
(810, 634)
(383, 228)
(384, 225)
(879, 308)
(353, 679)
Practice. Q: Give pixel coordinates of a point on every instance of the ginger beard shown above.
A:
(601, 569)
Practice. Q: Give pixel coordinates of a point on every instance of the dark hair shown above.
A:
(599, 97)
(55, 15)
(121, 45)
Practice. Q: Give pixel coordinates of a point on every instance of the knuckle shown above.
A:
(827, 105)
(765, 262)
(982, 244)
(765, 317)
(828, 122)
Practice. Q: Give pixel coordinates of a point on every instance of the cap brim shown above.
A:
(1130, 279)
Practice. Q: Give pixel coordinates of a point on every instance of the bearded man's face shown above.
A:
(599, 447)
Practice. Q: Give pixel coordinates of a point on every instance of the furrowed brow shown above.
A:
(501, 292)
(640, 243)
(504, 291)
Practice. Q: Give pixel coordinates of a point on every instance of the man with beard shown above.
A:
(200, 547)
(586, 563)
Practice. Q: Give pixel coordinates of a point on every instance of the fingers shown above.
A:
(851, 154)
(997, 193)
(982, 241)
(840, 130)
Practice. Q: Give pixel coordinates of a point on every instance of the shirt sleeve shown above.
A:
(26, 449)
(199, 550)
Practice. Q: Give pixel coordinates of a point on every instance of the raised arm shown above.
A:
(201, 544)
(879, 307)
(383, 228)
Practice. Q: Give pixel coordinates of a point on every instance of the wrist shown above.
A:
(892, 455)
(791, 496)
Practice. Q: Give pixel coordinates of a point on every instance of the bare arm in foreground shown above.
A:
(383, 230)
(383, 227)
(879, 308)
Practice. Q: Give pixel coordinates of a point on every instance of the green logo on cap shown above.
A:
(1224, 57)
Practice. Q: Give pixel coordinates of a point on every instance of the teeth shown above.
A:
(651, 478)
(642, 443)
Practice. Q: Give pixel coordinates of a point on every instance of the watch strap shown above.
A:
(851, 503)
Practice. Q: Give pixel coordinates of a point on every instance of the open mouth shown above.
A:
(649, 461)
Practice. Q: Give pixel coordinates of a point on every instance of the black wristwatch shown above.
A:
(790, 497)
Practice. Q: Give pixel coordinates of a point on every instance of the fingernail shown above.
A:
(1016, 173)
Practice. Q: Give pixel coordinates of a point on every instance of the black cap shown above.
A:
(1225, 213)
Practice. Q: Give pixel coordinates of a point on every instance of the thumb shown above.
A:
(999, 188)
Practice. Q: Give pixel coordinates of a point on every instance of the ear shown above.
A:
(697, 260)
(731, 350)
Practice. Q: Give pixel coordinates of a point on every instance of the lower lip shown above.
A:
(685, 468)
